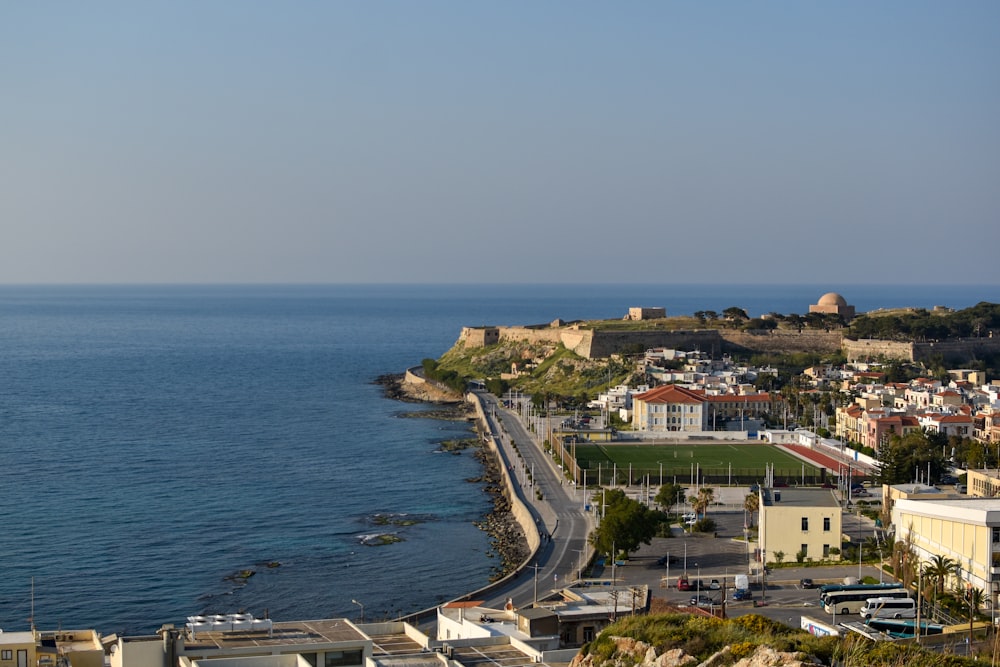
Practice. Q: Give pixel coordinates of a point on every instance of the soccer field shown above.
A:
(736, 463)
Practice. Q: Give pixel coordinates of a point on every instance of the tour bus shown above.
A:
(850, 602)
(831, 588)
(885, 607)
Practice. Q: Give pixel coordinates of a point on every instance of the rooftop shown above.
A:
(326, 631)
(800, 497)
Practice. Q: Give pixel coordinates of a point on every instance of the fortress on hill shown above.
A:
(595, 343)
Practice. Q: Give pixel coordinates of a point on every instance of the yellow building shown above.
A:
(983, 483)
(800, 521)
(967, 531)
(18, 649)
(69, 648)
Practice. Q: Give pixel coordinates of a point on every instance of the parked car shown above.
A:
(742, 594)
(702, 601)
(714, 585)
(664, 560)
(806, 583)
(685, 584)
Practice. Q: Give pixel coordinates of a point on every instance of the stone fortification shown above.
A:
(592, 344)
(597, 344)
(955, 350)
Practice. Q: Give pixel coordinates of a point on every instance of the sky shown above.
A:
(505, 142)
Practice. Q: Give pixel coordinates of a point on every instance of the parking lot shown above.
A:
(721, 556)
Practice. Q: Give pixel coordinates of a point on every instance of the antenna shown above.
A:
(31, 619)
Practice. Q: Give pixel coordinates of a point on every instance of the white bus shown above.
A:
(889, 608)
(850, 602)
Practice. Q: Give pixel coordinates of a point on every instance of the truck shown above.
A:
(741, 582)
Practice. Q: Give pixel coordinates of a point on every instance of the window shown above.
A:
(341, 658)
(996, 535)
(805, 523)
(588, 633)
(826, 551)
(804, 550)
(826, 524)
(6, 654)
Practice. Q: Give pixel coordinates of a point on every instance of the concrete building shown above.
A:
(320, 643)
(56, 648)
(19, 649)
(983, 483)
(558, 624)
(646, 314)
(966, 531)
(799, 521)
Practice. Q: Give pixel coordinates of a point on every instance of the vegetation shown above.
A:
(625, 525)
(703, 637)
(920, 324)
(903, 457)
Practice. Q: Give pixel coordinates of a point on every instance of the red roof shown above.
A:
(671, 393)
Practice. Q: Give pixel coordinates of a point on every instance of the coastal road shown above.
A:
(558, 509)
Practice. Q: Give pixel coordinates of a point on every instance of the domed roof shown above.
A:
(832, 299)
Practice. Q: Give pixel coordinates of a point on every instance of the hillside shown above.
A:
(666, 640)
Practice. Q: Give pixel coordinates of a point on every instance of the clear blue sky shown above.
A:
(534, 141)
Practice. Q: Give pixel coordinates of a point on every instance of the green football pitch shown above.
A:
(744, 461)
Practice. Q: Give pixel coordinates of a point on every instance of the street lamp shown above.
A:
(362, 609)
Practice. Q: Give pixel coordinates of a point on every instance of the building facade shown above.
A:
(799, 521)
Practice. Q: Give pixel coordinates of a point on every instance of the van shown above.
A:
(889, 608)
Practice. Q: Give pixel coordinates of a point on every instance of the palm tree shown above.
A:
(751, 504)
(975, 597)
(938, 569)
(701, 502)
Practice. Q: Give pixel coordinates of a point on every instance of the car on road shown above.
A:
(702, 601)
(806, 583)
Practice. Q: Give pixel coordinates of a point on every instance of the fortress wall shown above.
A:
(961, 349)
(782, 341)
(531, 334)
(601, 344)
(870, 348)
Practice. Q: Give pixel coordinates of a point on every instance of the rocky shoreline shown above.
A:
(507, 540)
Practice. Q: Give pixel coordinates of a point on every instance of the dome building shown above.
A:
(831, 302)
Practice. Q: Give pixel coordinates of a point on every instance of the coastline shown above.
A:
(507, 540)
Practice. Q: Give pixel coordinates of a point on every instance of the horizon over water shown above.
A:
(156, 440)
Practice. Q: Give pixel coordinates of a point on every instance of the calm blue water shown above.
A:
(155, 440)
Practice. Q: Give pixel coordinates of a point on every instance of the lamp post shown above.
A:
(362, 609)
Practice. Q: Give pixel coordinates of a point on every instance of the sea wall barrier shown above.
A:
(519, 509)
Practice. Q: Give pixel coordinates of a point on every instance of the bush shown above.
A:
(705, 525)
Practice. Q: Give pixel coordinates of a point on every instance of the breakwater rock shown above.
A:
(507, 538)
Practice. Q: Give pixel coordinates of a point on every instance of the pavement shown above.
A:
(722, 555)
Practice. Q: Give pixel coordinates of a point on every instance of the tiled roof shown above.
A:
(671, 393)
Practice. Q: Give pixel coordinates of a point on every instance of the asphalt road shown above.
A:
(556, 505)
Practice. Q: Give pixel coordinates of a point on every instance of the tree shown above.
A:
(901, 459)
(735, 315)
(701, 502)
(751, 504)
(670, 494)
(938, 569)
(625, 525)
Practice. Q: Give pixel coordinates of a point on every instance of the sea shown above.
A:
(174, 450)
